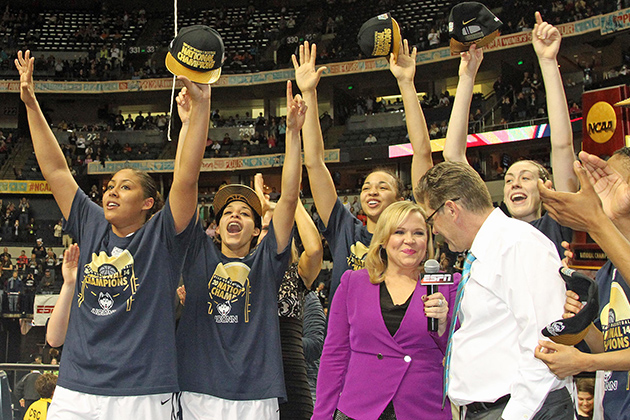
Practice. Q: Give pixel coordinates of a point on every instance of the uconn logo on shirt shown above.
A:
(106, 302)
(108, 284)
(356, 259)
(224, 316)
(229, 293)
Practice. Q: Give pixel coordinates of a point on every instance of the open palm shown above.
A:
(404, 66)
(306, 76)
(24, 64)
(611, 188)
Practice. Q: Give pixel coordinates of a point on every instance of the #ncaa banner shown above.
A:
(44, 305)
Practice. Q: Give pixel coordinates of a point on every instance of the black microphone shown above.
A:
(431, 267)
(432, 278)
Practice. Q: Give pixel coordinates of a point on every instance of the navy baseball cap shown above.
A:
(571, 331)
(470, 23)
(380, 36)
(196, 52)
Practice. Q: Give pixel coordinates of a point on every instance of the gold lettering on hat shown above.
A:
(196, 58)
(382, 42)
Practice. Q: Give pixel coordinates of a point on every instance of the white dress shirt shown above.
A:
(514, 291)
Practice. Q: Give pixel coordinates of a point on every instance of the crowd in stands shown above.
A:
(255, 40)
(24, 276)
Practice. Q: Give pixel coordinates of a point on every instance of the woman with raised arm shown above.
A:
(127, 274)
(347, 237)
(228, 340)
(520, 192)
(296, 282)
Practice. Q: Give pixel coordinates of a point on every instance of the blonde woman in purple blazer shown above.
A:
(379, 361)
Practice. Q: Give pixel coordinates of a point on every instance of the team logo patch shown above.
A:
(108, 283)
(229, 293)
(356, 259)
(555, 328)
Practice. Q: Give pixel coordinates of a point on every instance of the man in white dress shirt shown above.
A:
(514, 290)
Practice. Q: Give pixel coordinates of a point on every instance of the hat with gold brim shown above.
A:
(196, 52)
(237, 192)
(471, 23)
(625, 102)
(570, 331)
(380, 36)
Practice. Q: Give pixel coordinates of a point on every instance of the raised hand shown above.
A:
(611, 188)
(306, 76)
(296, 109)
(404, 67)
(259, 188)
(545, 39)
(470, 62)
(70, 264)
(579, 211)
(183, 105)
(24, 64)
(196, 91)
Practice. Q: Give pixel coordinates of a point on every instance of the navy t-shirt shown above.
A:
(348, 241)
(614, 322)
(554, 231)
(228, 338)
(121, 333)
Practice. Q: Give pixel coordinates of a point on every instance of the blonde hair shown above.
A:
(391, 218)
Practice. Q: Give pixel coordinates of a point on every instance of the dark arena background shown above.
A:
(104, 89)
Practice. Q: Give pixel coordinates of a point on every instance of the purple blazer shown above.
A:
(363, 367)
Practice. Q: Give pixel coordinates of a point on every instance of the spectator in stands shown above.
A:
(139, 122)
(575, 109)
(5, 253)
(17, 231)
(144, 150)
(28, 297)
(22, 261)
(433, 38)
(31, 230)
(500, 88)
(47, 283)
(25, 391)
(370, 138)
(586, 394)
(227, 140)
(14, 288)
(45, 387)
(39, 250)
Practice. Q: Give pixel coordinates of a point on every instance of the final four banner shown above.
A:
(208, 165)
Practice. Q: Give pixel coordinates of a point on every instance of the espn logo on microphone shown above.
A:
(44, 309)
(436, 279)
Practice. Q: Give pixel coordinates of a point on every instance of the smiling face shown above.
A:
(378, 192)
(585, 403)
(520, 191)
(407, 244)
(124, 204)
(237, 228)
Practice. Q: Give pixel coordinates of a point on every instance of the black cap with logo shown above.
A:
(380, 36)
(571, 331)
(196, 52)
(470, 23)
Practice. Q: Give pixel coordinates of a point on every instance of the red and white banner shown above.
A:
(44, 305)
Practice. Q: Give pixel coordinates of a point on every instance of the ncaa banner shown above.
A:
(24, 187)
(44, 305)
